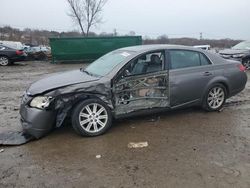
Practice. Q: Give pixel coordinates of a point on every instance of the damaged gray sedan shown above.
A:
(130, 81)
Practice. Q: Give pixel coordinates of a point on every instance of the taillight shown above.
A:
(19, 52)
(241, 67)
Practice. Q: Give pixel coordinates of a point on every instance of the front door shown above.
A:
(143, 84)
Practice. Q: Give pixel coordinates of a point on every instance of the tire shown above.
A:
(215, 98)
(91, 117)
(246, 63)
(4, 61)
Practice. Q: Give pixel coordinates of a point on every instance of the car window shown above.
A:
(147, 63)
(204, 60)
(245, 45)
(2, 47)
(185, 58)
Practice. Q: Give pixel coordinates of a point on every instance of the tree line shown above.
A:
(41, 37)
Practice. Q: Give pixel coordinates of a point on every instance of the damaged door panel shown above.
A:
(143, 84)
(141, 92)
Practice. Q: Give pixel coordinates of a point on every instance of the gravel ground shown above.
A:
(186, 148)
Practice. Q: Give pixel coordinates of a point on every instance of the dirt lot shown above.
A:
(187, 148)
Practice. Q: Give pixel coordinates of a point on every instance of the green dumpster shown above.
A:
(88, 49)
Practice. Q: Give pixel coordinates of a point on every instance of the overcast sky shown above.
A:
(175, 18)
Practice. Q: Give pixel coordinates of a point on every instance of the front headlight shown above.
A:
(238, 55)
(41, 102)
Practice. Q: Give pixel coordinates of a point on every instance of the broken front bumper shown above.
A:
(37, 122)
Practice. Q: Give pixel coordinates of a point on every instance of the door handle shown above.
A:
(207, 74)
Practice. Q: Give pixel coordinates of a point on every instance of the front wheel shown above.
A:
(91, 117)
(215, 98)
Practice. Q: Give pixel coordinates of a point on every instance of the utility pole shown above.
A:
(201, 37)
(115, 32)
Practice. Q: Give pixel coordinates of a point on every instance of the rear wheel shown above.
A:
(246, 64)
(4, 61)
(215, 98)
(91, 117)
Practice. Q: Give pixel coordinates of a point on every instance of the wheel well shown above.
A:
(76, 102)
(226, 86)
(80, 99)
(4, 56)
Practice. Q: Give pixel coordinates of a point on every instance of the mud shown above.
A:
(186, 148)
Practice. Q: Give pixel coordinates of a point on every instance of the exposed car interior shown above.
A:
(144, 83)
(147, 63)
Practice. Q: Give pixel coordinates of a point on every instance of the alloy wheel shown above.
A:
(93, 118)
(216, 97)
(4, 61)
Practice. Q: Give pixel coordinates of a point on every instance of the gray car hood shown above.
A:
(59, 80)
(234, 51)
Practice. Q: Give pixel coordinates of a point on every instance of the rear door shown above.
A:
(189, 73)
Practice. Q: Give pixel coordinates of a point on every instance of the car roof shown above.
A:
(144, 48)
(140, 49)
(6, 47)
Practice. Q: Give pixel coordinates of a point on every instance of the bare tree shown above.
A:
(86, 13)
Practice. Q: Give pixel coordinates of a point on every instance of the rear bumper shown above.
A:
(18, 58)
(37, 122)
(235, 92)
(239, 85)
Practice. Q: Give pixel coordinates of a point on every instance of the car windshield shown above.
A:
(242, 46)
(107, 63)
